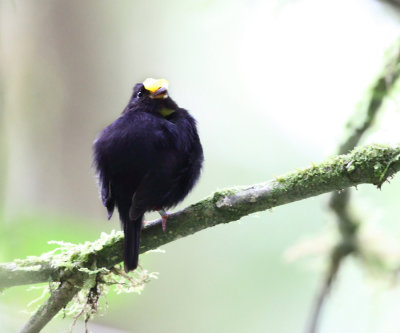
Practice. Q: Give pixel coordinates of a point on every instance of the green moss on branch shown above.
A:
(365, 165)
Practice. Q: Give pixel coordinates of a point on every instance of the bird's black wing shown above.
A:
(190, 157)
(106, 194)
(103, 179)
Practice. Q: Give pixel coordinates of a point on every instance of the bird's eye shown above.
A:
(139, 94)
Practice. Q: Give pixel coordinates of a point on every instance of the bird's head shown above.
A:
(153, 93)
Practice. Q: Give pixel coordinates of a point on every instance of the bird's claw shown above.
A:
(164, 218)
(164, 222)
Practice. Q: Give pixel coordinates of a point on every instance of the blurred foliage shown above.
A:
(33, 232)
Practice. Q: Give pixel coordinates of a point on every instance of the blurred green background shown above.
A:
(271, 84)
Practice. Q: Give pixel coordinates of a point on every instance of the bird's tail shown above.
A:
(132, 230)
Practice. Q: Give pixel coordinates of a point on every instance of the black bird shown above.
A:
(148, 159)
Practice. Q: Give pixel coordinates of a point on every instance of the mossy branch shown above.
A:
(365, 165)
(75, 266)
(56, 302)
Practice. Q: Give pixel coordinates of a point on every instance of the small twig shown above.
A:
(379, 91)
(337, 256)
(57, 301)
(77, 316)
(340, 201)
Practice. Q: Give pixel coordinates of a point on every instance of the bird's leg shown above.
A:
(164, 217)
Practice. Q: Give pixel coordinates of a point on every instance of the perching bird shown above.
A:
(148, 159)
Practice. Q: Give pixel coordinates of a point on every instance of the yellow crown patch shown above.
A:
(153, 85)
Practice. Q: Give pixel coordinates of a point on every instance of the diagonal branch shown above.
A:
(21, 272)
(365, 165)
(364, 117)
(73, 265)
(56, 302)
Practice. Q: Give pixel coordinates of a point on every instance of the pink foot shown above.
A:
(164, 222)
(164, 218)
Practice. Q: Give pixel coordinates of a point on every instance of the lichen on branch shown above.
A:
(89, 267)
(371, 164)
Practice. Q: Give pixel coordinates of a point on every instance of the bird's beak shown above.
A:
(160, 93)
